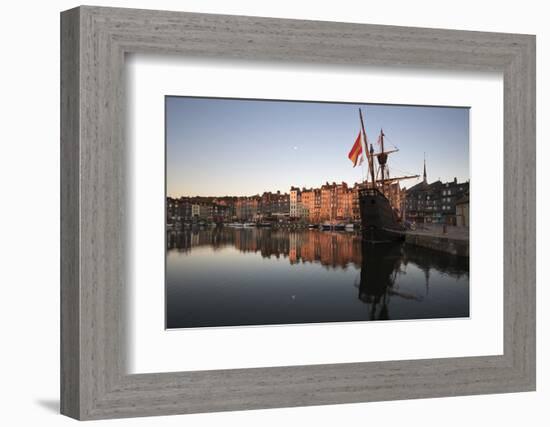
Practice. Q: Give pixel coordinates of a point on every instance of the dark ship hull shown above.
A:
(379, 222)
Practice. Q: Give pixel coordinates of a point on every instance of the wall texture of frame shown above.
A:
(94, 41)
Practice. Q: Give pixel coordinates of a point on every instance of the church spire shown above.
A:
(425, 176)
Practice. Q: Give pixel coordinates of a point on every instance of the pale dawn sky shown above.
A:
(218, 147)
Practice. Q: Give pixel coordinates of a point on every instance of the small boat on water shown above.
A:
(235, 225)
(350, 227)
(249, 224)
(312, 226)
(333, 226)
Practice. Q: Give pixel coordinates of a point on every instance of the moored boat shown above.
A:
(380, 220)
(235, 225)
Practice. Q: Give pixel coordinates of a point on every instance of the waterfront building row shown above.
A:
(330, 202)
(438, 203)
(225, 209)
(199, 209)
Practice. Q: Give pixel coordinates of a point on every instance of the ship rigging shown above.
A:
(380, 218)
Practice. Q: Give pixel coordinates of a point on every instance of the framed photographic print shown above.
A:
(330, 252)
(261, 213)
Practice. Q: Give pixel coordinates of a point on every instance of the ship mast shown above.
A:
(382, 159)
(366, 153)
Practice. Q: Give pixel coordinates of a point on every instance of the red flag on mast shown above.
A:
(356, 151)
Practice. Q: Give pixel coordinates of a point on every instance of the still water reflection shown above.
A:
(255, 276)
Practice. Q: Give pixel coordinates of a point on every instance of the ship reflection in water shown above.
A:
(255, 276)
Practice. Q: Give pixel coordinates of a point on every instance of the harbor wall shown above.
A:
(454, 246)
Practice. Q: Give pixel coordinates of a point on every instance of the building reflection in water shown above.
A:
(380, 265)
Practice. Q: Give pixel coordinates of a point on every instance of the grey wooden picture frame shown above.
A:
(94, 42)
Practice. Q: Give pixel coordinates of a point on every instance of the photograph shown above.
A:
(284, 212)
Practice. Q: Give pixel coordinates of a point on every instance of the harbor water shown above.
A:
(223, 276)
